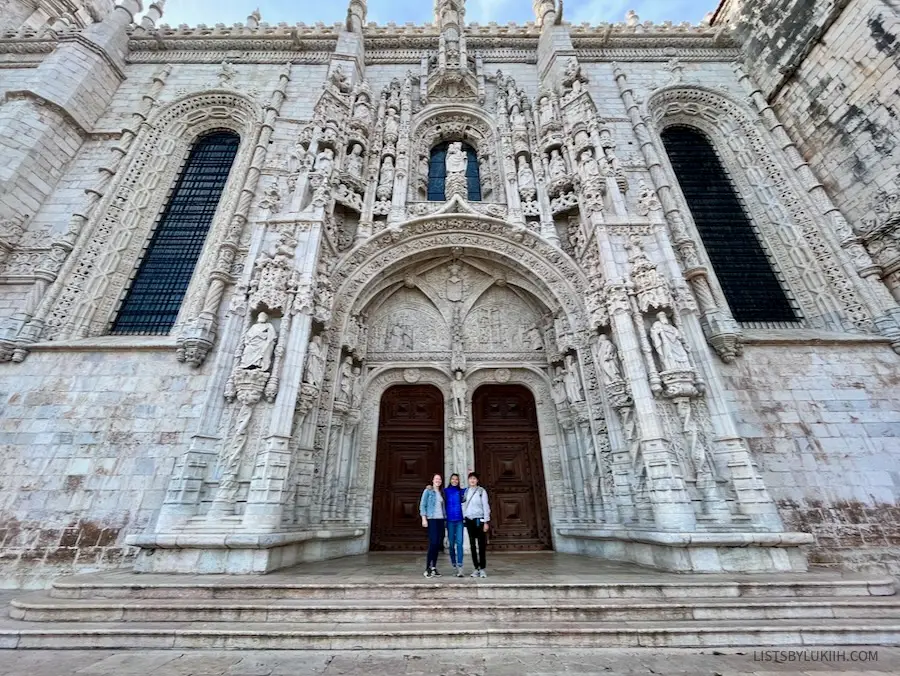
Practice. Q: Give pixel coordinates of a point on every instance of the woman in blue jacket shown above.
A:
(455, 529)
(434, 515)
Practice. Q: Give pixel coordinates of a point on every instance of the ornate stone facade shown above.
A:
(245, 439)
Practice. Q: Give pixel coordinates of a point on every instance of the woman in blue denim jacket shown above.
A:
(434, 516)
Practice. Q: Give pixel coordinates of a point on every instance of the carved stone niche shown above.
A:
(458, 125)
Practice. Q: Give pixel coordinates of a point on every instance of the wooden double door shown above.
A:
(507, 457)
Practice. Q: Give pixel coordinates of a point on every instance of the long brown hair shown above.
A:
(440, 489)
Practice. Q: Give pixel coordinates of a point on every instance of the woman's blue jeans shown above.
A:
(436, 529)
(455, 532)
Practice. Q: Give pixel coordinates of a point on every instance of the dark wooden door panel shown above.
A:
(410, 450)
(508, 459)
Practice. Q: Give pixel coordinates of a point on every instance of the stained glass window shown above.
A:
(748, 280)
(154, 297)
(437, 173)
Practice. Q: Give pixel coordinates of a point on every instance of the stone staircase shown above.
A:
(284, 611)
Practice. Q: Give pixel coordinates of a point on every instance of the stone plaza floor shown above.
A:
(500, 662)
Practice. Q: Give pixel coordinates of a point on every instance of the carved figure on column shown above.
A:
(560, 397)
(667, 342)
(354, 161)
(356, 391)
(315, 363)
(386, 181)
(458, 351)
(459, 389)
(546, 114)
(457, 164)
(608, 357)
(391, 127)
(573, 79)
(558, 168)
(517, 118)
(259, 344)
(339, 81)
(345, 381)
(651, 287)
(324, 296)
(362, 112)
(325, 162)
(574, 390)
(527, 189)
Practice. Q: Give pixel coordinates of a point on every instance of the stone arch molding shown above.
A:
(457, 122)
(107, 253)
(556, 279)
(777, 205)
(361, 491)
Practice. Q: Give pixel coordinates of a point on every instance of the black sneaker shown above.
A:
(429, 573)
(436, 573)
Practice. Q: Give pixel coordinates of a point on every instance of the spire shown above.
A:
(449, 17)
(254, 19)
(356, 16)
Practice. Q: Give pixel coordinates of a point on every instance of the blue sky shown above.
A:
(419, 11)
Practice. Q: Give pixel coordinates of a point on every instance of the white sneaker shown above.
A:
(459, 572)
(475, 573)
(482, 573)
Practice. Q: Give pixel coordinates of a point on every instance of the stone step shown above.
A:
(40, 607)
(278, 636)
(133, 586)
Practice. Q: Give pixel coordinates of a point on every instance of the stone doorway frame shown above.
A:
(555, 476)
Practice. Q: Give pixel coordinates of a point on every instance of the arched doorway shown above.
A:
(410, 450)
(508, 461)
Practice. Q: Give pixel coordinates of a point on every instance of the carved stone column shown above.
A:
(719, 327)
(268, 484)
(401, 181)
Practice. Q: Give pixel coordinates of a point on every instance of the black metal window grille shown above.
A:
(154, 297)
(748, 279)
(437, 173)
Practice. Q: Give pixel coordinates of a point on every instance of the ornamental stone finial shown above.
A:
(254, 19)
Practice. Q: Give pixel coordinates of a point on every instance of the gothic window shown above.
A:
(742, 266)
(154, 297)
(437, 173)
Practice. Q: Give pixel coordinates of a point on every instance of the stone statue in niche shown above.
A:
(558, 167)
(589, 168)
(457, 351)
(457, 159)
(668, 345)
(259, 344)
(517, 118)
(345, 383)
(545, 111)
(315, 362)
(354, 161)
(361, 110)
(560, 397)
(608, 357)
(574, 391)
(386, 182)
(459, 389)
(457, 163)
(356, 391)
(652, 288)
(325, 162)
(527, 188)
(391, 126)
